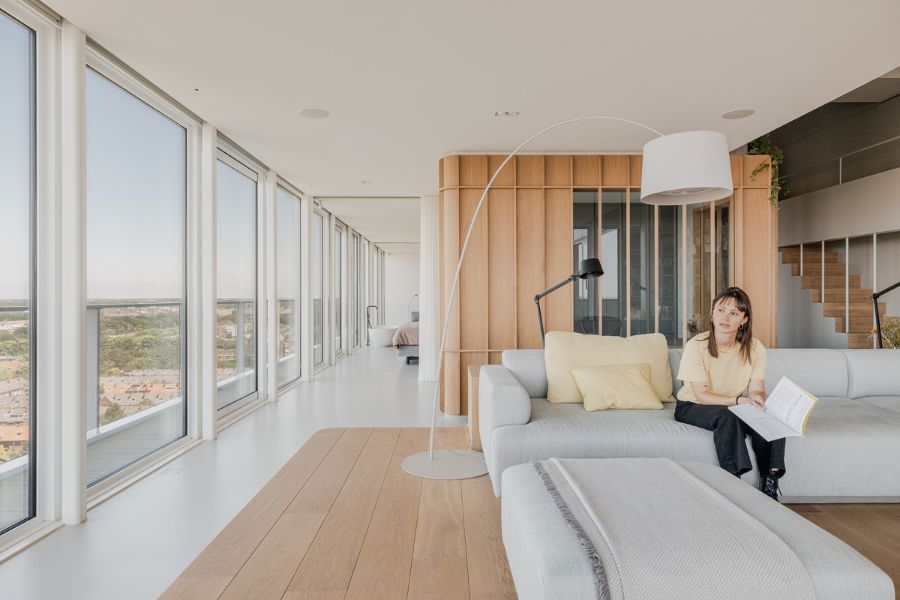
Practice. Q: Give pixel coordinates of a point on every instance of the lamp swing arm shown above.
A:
(465, 246)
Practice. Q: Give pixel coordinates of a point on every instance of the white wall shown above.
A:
(801, 323)
(401, 282)
(860, 207)
(856, 210)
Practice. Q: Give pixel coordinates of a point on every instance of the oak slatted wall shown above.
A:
(522, 243)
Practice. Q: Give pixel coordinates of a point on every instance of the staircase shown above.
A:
(859, 334)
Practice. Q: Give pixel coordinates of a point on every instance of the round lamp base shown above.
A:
(446, 464)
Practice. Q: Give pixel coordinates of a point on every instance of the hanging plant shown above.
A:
(764, 145)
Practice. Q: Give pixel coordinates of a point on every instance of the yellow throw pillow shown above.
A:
(565, 351)
(616, 386)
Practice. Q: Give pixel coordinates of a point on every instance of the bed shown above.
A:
(406, 340)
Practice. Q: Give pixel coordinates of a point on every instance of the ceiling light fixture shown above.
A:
(741, 113)
(315, 113)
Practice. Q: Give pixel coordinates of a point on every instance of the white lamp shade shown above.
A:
(686, 168)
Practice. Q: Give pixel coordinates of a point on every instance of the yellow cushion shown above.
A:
(565, 351)
(616, 386)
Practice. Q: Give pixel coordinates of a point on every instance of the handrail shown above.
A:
(875, 298)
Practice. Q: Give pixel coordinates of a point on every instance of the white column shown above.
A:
(429, 287)
(73, 303)
(271, 288)
(208, 389)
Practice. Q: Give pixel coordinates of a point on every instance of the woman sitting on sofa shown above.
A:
(717, 366)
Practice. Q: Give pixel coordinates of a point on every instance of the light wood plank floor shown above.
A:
(343, 520)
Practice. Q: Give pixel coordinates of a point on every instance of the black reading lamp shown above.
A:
(588, 269)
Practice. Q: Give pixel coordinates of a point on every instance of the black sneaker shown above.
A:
(769, 486)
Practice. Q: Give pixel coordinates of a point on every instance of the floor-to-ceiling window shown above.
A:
(287, 260)
(17, 203)
(669, 256)
(340, 235)
(613, 249)
(585, 231)
(135, 321)
(642, 264)
(236, 212)
(318, 260)
(355, 309)
(700, 252)
(381, 304)
(366, 291)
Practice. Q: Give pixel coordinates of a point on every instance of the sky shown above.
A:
(15, 157)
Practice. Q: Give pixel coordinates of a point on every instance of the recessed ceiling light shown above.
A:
(738, 114)
(506, 113)
(314, 113)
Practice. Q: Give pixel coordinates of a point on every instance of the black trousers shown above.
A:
(728, 434)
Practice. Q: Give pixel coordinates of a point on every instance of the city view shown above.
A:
(140, 358)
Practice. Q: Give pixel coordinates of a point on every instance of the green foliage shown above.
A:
(139, 342)
(113, 413)
(764, 145)
(890, 332)
(14, 343)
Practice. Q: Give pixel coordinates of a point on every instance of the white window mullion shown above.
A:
(72, 274)
(208, 287)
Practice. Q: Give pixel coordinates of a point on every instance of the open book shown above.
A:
(787, 410)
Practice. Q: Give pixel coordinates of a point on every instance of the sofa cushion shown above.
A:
(849, 450)
(872, 372)
(566, 351)
(528, 367)
(616, 386)
(559, 430)
(820, 372)
(886, 402)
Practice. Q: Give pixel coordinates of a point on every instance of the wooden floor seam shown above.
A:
(415, 538)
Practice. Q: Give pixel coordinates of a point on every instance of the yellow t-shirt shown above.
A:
(727, 375)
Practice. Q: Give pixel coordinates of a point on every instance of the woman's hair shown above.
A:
(745, 332)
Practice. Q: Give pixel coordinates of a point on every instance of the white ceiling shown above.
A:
(408, 81)
(392, 223)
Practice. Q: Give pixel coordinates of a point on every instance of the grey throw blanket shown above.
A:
(650, 529)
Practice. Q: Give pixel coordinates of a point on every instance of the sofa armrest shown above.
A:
(502, 401)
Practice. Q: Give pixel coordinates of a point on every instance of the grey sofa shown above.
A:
(851, 452)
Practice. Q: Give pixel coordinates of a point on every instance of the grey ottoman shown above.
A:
(548, 561)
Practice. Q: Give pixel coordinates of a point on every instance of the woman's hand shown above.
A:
(752, 401)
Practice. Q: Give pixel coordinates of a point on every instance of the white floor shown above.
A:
(135, 544)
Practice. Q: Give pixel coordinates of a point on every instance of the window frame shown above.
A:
(112, 69)
(298, 318)
(232, 155)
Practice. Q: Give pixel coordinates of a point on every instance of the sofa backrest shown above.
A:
(819, 371)
(873, 373)
(822, 372)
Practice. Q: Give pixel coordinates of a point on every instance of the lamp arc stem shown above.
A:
(465, 246)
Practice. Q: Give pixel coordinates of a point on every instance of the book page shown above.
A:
(764, 424)
(790, 404)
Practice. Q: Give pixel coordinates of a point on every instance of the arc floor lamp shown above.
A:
(680, 168)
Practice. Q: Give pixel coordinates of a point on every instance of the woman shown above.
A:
(717, 367)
